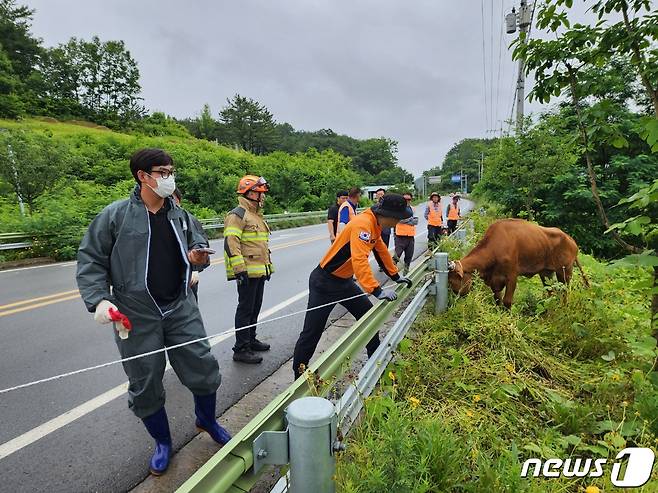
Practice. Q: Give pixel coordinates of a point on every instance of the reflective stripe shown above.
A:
(254, 236)
(237, 260)
(233, 231)
(256, 269)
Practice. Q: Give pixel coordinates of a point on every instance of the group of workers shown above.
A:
(345, 208)
(139, 262)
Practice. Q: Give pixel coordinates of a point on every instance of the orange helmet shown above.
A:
(251, 182)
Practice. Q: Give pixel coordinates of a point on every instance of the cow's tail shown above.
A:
(582, 272)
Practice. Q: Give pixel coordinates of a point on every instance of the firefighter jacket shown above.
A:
(246, 241)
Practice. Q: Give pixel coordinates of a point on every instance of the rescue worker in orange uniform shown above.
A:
(434, 216)
(405, 237)
(453, 214)
(332, 281)
(347, 209)
(247, 260)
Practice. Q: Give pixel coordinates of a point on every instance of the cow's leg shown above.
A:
(497, 296)
(497, 284)
(510, 287)
(564, 273)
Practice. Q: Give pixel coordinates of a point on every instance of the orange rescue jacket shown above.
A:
(434, 214)
(349, 254)
(407, 227)
(453, 212)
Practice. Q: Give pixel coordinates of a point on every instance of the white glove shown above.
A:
(387, 295)
(195, 278)
(102, 315)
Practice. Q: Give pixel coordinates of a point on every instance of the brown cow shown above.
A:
(514, 247)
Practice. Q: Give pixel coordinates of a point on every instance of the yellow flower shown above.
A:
(470, 413)
(391, 375)
(414, 402)
(509, 367)
(476, 398)
(616, 377)
(592, 489)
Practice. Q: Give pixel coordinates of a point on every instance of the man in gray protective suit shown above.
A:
(136, 258)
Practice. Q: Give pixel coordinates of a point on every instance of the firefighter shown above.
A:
(405, 237)
(453, 214)
(434, 216)
(347, 209)
(248, 262)
(137, 258)
(332, 281)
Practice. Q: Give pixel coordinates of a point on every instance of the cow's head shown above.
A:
(460, 281)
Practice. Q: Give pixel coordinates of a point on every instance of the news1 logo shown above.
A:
(639, 464)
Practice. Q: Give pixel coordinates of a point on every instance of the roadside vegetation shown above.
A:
(477, 390)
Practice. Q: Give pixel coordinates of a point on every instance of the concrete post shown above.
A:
(312, 436)
(441, 281)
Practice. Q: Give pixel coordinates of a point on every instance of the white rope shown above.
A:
(161, 350)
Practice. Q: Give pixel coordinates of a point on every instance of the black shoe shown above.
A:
(247, 357)
(256, 345)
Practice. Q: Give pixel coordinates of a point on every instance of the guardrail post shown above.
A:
(441, 281)
(312, 438)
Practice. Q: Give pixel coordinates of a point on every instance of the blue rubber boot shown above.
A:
(158, 427)
(204, 408)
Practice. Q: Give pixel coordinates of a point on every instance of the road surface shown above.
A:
(76, 434)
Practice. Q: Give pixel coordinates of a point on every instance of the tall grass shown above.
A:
(477, 390)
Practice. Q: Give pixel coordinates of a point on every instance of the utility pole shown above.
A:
(523, 23)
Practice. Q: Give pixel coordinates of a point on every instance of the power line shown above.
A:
(500, 56)
(492, 120)
(484, 66)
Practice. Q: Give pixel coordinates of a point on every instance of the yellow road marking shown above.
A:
(73, 294)
(37, 305)
(279, 247)
(32, 300)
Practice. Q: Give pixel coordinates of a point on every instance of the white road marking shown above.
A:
(58, 264)
(35, 434)
(31, 436)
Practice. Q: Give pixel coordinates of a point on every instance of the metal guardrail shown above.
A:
(231, 469)
(211, 223)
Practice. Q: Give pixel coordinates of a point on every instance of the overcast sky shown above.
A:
(408, 70)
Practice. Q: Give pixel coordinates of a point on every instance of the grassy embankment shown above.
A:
(95, 172)
(476, 391)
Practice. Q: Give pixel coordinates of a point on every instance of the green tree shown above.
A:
(22, 48)
(31, 163)
(643, 225)
(464, 157)
(520, 169)
(248, 124)
(101, 76)
(10, 104)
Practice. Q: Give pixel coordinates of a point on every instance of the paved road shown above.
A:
(76, 434)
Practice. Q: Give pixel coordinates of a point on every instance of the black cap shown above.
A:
(342, 193)
(393, 205)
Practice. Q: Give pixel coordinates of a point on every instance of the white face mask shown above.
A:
(165, 186)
